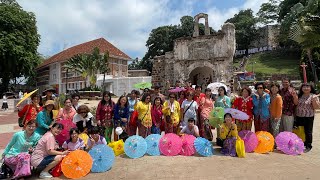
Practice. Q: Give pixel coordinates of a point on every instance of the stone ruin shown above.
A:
(200, 59)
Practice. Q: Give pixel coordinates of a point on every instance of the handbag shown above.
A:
(21, 120)
(207, 130)
(134, 118)
(240, 148)
(56, 171)
(299, 131)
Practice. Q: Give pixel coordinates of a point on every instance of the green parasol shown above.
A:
(216, 117)
(143, 85)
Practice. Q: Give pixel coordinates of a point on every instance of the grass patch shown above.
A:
(275, 62)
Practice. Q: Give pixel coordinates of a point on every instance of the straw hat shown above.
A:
(49, 102)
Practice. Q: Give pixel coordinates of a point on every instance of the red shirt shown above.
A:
(244, 105)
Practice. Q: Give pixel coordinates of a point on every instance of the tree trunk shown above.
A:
(5, 84)
(314, 72)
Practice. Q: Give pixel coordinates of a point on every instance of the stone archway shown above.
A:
(201, 76)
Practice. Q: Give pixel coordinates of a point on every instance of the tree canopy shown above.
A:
(19, 41)
(161, 39)
(269, 12)
(245, 23)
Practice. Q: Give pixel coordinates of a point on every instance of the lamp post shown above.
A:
(303, 65)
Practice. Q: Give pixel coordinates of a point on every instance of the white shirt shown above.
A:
(191, 112)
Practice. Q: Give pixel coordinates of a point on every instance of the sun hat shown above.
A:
(49, 102)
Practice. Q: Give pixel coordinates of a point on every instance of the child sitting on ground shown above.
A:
(191, 128)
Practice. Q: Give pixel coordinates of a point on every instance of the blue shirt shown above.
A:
(261, 106)
(21, 143)
(44, 121)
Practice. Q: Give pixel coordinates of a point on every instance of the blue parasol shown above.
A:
(203, 147)
(135, 146)
(153, 144)
(103, 158)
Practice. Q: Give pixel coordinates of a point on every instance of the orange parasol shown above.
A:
(26, 96)
(265, 142)
(76, 164)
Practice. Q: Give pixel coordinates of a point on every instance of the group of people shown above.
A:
(187, 112)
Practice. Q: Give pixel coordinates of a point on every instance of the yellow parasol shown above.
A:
(26, 96)
(117, 147)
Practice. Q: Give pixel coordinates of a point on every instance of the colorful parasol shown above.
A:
(170, 144)
(250, 140)
(142, 85)
(265, 142)
(135, 146)
(177, 89)
(153, 144)
(216, 117)
(289, 143)
(187, 145)
(103, 158)
(215, 86)
(236, 114)
(26, 96)
(117, 147)
(203, 146)
(64, 135)
(76, 164)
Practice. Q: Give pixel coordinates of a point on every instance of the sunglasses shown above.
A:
(260, 88)
(190, 95)
(172, 97)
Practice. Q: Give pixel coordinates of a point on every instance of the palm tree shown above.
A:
(306, 29)
(101, 63)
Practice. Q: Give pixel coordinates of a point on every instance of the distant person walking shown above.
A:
(4, 102)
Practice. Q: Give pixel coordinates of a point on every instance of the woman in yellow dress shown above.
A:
(171, 112)
(229, 134)
(144, 118)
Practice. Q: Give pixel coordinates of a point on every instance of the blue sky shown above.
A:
(124, 23)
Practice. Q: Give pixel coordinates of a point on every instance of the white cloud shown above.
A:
(125, 23)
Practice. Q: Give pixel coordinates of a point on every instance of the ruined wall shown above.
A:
(212, 55)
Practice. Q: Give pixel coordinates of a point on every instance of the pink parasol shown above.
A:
(64, 135)
(250, 140)
(289, 143)
(170, 144)
(236, 114)
(187, 145)
(177, 89)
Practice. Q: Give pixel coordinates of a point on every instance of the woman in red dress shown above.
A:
(244, 104)
(31, 110)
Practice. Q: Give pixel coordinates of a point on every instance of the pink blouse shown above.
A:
(206, 106)
(65, 114)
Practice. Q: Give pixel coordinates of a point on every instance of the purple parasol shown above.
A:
(250, 140)
(177, 89)
(289, 143)
(236, 114)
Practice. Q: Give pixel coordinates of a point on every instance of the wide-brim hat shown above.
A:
(49, 102)
(50, 89)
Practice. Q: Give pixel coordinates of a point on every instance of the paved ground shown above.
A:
(274, 165)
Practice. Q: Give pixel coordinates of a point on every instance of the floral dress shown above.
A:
(105, 114)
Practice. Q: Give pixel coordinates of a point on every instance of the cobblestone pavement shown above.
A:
(274, 165)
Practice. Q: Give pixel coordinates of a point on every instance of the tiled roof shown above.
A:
(86, 47)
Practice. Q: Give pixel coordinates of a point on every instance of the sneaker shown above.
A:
(45, 175)
(307, 150)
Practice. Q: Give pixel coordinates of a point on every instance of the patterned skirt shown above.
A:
(229, 147)
(20, 165)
